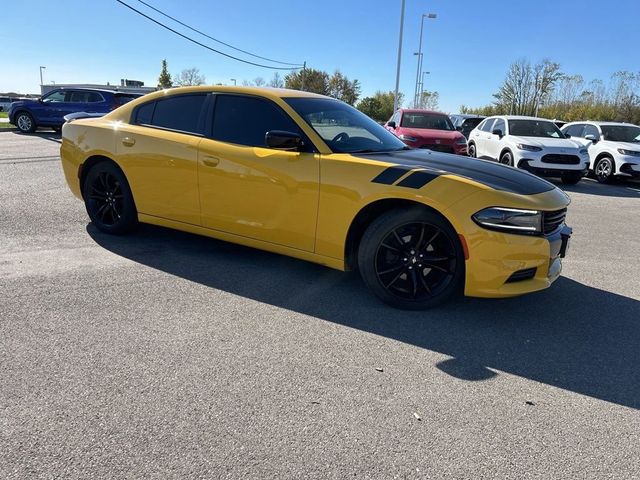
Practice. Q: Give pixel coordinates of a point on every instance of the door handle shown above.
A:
(128, 142)
(210, 161)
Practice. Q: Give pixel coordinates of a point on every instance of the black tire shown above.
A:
(412, 281)
(25, 122)
(108, 199)
(506, 158)
(57, 129)
(571, 178)
(603, 170)
(472, 150)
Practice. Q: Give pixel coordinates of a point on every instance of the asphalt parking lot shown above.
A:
(167, 355)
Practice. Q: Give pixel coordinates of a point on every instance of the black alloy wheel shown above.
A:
(411, 259)
(506, 159)
(472, 150)
(108, 199)
(603, 170)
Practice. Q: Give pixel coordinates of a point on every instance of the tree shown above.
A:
(189, 77)
(380, 105)
(342, 88)
(429, 100)
(276, 81)
(309, 79)
(164, 80)
(259, 82)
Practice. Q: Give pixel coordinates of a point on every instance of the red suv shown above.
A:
(427, 129)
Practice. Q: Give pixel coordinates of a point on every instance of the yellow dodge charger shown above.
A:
(310, 177)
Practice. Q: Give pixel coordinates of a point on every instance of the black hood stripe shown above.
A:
(494, 175)
(392, 174)
(418, 179)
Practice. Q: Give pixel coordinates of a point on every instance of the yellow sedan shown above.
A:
(310, 177)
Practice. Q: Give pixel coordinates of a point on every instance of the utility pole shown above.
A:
(395, 97)
(416, 91)
(304, 73)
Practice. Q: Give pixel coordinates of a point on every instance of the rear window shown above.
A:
(122, 98)
(182, 113)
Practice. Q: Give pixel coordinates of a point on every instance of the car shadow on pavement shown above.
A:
(619, 188)
(571, 336)
(46, 135)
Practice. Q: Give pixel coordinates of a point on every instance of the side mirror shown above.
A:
(498, 132)
(282, 140)
(591, 137)
(391, 124)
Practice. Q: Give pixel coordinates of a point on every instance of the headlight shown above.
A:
(512, 220)
(461, 141)
(408, 138)
(529, 148)
(583, 151)
(632, 153)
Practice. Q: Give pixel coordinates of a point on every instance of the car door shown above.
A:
(480, 137)
(249, 189)
(158, 150)
(48, 110)
(493, 142)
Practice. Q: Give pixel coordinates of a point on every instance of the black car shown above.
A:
(464, 123)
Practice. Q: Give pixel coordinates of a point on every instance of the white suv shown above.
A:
(533, 144)
(614, 148)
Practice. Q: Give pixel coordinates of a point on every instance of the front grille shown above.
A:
(551, 221)
(439, 148)
(561, 159)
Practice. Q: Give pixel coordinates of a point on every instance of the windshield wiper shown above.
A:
(371, 150)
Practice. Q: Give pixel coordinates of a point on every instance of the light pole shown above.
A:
(415, 93)
(424, 15)
(422, 87)
(41, 68)
(395, 96)
(234, 81)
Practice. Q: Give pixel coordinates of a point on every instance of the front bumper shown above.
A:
(630, 170)
(558, 171)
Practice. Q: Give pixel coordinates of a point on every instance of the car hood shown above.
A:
(427, 133)
(546, 142)
(491, 174)
(23, 103)
(623, 145)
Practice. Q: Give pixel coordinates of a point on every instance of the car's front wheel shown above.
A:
(472, 150)
(603, 170)
(411, 258)
(571, 178)
(506, 159)
(108, 199)
(25, 122)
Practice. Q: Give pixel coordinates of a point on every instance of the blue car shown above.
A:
(50, 109)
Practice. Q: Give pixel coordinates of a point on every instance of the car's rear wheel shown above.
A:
(603, 170)
(506, 159)
(411, 259)
(472, 150)
(571, 178)
(108, 199)
(25, 122)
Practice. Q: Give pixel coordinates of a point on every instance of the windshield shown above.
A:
(343, 128)
(621, 133)
(433, 121)
(534, 128)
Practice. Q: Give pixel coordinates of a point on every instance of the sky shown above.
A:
(467, 48)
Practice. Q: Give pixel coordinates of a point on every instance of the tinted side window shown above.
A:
(95, 97)
(144, 113)
(499, 125)
(55, 97)
(246, 120)
(181, 113)
(488, 123)
(575, 130)
(591, 130)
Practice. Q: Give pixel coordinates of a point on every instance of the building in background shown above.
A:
(126, 85)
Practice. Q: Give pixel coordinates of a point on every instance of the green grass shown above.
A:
(4, 114)
(6, 126)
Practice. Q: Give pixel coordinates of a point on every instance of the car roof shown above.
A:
(102, 90)
(263, 91)
(421, 110)
(596, 122)
(520, 117)
(467, 115)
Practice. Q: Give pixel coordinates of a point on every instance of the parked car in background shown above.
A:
(533, 144)
(614, 148)
(427, 129)
(464, 123)
(5, 103)
(50, 109)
